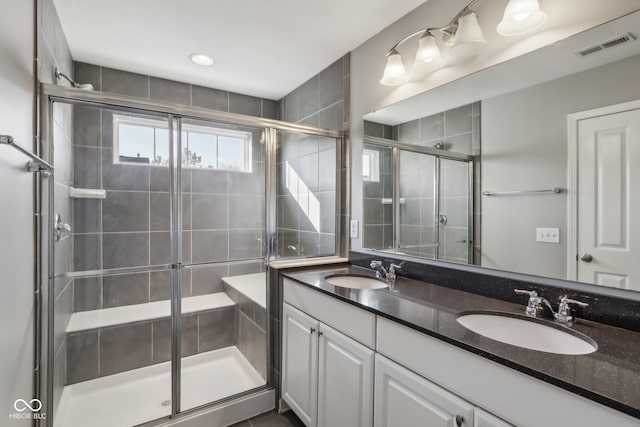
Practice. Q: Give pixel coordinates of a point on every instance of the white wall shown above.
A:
(524, 146)
(16, 214)
(368, 60)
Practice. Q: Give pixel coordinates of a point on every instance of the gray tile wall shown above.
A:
(105, 351)
(251, 326)
(458, 129)
(306, 195)
(148, 87)
(53, 52)
(322, 101)
(378, 130)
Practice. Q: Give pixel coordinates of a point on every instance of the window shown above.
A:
(371, 165)
(146, 141)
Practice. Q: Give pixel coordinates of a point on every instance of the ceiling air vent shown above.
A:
(625, 38)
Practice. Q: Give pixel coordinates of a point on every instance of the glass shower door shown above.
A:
(111, 274)
(417, 204)
(222, 262)
(434, 206)
(455, 215)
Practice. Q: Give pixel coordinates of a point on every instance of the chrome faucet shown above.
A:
(536, 302)
(383, 273)
(564, 314)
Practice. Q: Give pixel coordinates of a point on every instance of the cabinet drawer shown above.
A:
(351, 321)
(490, 385)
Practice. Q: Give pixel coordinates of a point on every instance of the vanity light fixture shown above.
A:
(463, 35)
(521, 17)
(201, 59)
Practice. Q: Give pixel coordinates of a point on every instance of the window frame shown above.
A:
(155, 124)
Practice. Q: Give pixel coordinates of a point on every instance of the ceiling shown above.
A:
(261, 48)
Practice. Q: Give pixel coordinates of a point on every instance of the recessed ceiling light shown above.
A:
(201, 59)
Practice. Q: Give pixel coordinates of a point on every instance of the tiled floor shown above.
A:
(272, 419)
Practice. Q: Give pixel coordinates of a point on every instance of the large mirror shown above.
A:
(556, 153)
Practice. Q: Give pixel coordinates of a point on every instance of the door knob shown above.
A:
(586, 258)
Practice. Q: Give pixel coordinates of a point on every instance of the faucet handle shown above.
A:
(564, 314)
(375, 264)
(531, 294)
(565, 301)
(532, 304)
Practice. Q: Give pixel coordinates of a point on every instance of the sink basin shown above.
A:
(527, 333)
(354, 281)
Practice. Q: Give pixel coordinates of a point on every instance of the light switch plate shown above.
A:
(353, 229)
(547, 235)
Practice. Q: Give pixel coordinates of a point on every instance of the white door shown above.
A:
(404, 399)
(485, 419)
(300, 364)
(609, 200)
(345, 381)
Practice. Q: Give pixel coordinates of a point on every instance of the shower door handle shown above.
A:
(63, 230)
(442, 219)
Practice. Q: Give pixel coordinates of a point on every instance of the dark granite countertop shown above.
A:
(610, 375)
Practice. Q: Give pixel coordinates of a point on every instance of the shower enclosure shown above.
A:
(417, 200)
(164, 219)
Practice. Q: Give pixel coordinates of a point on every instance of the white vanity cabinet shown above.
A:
(485, 419)
(327, 377)
(404, 399)
(328, 353)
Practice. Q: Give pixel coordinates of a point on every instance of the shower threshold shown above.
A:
(140, 395)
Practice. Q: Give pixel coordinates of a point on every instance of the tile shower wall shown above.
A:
(105, 351)
(53, 52)
(148, 87)
(131, 226)
(322, 101)
(250, 329)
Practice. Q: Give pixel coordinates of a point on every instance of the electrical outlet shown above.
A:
(548, 235)
(353, 232)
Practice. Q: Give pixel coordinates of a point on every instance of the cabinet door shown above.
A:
(403, 398)
(300, 364)
(345, 381)
(484, 419)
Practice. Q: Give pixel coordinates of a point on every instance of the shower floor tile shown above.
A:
(140, 395)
